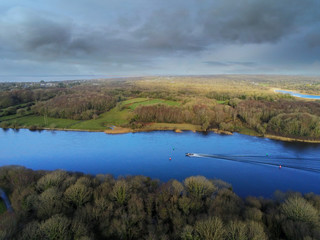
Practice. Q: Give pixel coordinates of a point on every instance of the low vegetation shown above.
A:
(65, 205)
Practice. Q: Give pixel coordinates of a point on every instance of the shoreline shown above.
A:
(297, 92)
(120, 130)
(287, 139)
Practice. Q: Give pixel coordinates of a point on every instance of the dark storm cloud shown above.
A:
(314, 38)
(145, 32)
(251, 21)
(241, 21)
(33, 33)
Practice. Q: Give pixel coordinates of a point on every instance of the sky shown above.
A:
(159, 37)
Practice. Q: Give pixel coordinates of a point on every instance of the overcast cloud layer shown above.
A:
(146, 37)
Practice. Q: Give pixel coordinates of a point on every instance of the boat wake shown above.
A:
(305, 164)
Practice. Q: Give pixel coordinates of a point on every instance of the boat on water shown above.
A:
(189, 154)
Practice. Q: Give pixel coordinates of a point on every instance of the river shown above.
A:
(149, 154)
(300, 95)
(5, 198)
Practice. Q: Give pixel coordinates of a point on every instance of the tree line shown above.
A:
(288, 118)
(77, 105)
(13, 100)
(205, 102)
(64, 205)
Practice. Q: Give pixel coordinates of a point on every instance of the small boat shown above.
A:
(189, 154)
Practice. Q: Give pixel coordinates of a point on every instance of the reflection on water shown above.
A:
(300, 147)
(149, 154)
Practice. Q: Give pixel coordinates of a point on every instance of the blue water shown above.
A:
(148, 154)
(298, 94)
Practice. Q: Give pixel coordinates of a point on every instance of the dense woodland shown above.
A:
(64, 205)
(78, 105)
(231, 103)
(284, 118)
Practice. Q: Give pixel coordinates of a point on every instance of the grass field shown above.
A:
(10, 117)
(39, 121)
(134, 100)
(248, 131)
(152, 102)
(119, 115)
(2, 207)
(115, 117)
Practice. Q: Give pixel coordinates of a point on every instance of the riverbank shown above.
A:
(286, 139)
(178, 128)
(126, 119)
(296, 94)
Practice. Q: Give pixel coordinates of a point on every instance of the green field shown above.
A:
(39, 121)
(2, 207)
(11, 117)
(117, 116)
(152, 102)
(134, 100)
(248, 131)
(108, 119)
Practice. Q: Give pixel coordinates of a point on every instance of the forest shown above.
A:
(245, 104)
(71, 205)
